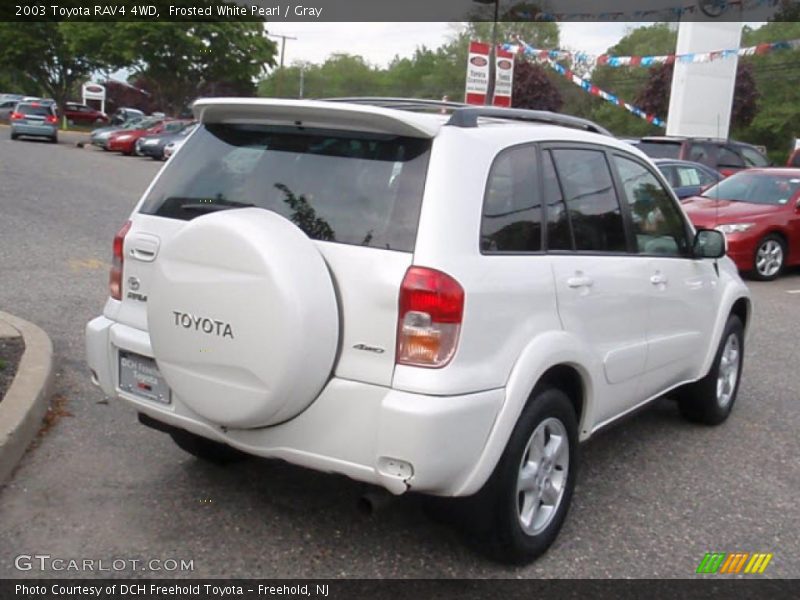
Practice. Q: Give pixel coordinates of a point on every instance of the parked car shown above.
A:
(153, 146)
(687, 178)
(82, 114)
(32, 119)
(725, 156)
(6, 108)
(124, 115)
(758, 210)
(125, 141)
(99, 137)
(355, 300)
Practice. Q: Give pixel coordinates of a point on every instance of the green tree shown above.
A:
(340, 75)
(428, 73)
(626, 82)
(777, 122)
(180, 60)
(52, 59)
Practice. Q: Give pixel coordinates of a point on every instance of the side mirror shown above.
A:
(709, 243)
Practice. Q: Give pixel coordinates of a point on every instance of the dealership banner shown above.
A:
(477, 73)
(504, 78)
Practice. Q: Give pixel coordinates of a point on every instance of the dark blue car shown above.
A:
(687, 178)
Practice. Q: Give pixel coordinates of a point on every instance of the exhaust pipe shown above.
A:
(373, 501)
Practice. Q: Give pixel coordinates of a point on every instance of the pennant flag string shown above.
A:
(648, 61)
(715, 9)
(589, 87)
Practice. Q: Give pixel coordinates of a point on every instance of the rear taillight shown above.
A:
(429, 321)
(115, 278)
(15, 115)
(52, 119)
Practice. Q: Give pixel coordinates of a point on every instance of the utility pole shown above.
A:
(492, 50)
(302, 81)
(279, 85)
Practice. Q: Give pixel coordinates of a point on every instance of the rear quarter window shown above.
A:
(353, 188)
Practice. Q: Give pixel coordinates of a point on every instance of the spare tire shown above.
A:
(243, 318)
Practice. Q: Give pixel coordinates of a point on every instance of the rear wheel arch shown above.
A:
(568, 379)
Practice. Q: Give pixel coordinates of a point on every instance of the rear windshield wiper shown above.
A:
(203, 205)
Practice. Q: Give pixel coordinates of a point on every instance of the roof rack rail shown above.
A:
(468, 116)
(400, 103)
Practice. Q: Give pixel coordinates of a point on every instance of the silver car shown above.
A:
(35, 119)
(6, 108)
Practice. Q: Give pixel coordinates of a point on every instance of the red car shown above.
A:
(125, 140)
(758, 210)
(83, 114)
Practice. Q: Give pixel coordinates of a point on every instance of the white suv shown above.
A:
(443, 303)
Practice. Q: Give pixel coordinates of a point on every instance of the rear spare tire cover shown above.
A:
(243, 318)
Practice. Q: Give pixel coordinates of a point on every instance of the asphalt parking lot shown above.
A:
(654, 494)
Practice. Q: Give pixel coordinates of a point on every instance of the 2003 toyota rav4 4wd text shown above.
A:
(443, 303)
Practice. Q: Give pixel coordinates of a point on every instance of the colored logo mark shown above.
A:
(727, 563)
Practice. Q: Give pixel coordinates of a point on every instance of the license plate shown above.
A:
(139, 375)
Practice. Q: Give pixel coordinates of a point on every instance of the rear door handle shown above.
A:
(144, 247)
(579, 281)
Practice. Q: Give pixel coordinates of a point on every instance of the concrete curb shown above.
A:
(25, 402)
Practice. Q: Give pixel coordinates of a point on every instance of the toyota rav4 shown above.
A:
(443, 303)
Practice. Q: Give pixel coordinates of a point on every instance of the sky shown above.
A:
(378, 43)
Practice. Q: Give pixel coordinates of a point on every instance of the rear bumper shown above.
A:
(374, 434)
(35, 130)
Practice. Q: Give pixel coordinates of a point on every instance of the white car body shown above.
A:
(627, 327)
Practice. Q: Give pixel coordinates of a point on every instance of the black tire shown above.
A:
(14, 136)
(494, 512)
(778, 258)
(701, 401)
(54, 139)
(208, 450)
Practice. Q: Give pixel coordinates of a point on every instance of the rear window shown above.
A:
(660, 149)
(354, 188)
(30, 109)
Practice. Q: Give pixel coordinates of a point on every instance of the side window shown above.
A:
(752, 158)
(688, 176)
(592, 203)
(728, 157)
(512, 211)
(705, 178)
(670, 175)
(703, 153)
(559, 236)
(657, 222)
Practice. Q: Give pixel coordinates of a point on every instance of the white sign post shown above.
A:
(504, 79)
(94, 91)
(701, 100)
(477, 73)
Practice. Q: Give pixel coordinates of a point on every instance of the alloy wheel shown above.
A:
(542, 476)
